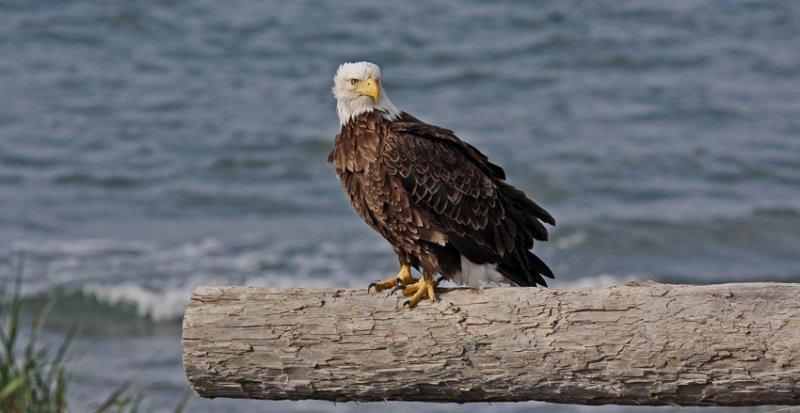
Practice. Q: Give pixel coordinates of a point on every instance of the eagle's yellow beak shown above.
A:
(370, 88)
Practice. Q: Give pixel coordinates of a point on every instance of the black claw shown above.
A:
(407, 303)
(396, 289)
(440, 279)
(372, 284)
(435, 299)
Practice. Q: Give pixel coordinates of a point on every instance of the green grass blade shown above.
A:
(58, 361)
(11, 387)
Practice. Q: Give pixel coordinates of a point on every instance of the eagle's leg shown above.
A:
(402, 278)
(425, 287)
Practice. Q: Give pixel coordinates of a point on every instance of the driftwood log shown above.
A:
(639, 344)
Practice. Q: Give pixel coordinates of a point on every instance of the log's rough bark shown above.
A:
(642, 343)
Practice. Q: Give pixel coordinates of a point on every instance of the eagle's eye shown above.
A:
(353, 81)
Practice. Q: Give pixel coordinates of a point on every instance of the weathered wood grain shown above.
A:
(642, 344)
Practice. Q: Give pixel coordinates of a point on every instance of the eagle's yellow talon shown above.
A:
(402, 278)
(425, 287)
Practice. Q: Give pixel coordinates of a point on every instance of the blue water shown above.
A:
(150, 147)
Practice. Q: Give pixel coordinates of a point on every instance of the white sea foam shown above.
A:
(80, 247)
(157, 304)
(192, 249)
(570, 240)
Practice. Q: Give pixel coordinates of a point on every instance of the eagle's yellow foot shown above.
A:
(401, 279)
(425, 287)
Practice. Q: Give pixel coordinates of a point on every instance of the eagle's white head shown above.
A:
(358, 89)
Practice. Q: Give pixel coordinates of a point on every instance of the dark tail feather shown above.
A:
(537, 229)
(537, 265)
(524, 203)
(538, 211)
(528, 276)
(515, 274)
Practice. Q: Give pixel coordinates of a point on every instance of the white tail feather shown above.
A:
(478, 275)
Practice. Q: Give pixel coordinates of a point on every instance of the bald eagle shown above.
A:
(439, 202)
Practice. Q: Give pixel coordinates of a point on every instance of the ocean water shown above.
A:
(150, 147)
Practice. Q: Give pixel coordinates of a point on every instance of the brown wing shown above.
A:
(484, 218)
